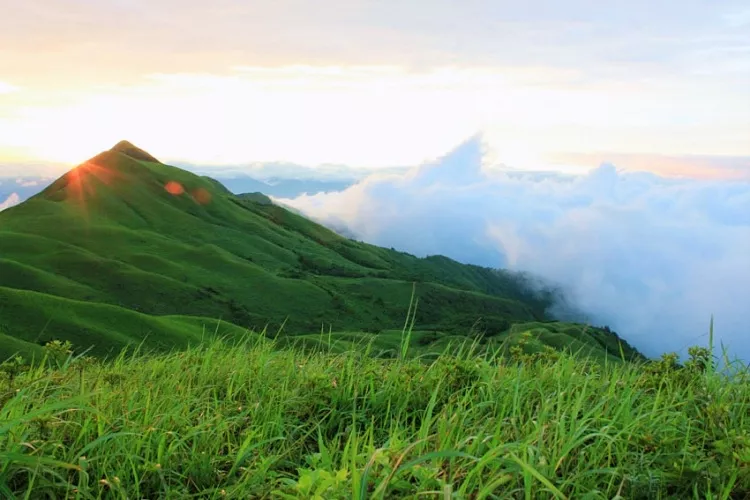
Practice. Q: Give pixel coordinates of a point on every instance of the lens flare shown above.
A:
(82, 183)
(174, 188)
(201, 196)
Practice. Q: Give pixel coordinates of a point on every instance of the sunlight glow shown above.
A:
(369, 116)
(82, 183)
(7, 88)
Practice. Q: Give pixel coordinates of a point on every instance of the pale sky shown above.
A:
(375, 83)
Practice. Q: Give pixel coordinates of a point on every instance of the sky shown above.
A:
(386, 83)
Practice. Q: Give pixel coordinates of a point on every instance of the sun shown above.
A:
(82, 183)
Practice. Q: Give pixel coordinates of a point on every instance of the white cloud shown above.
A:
(28, 182)
(651, 257)
(10, 201)
(7, 88)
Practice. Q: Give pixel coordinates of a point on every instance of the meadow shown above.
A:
(247, 418)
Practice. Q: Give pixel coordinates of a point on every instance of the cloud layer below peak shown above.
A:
(649, 256)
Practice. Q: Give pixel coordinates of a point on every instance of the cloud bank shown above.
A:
(651, 257)
(13, 199)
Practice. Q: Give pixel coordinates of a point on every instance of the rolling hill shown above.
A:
(124, 248)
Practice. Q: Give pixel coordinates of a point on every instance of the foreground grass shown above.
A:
(253, 421)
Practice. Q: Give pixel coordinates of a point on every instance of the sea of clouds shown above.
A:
(652, 257)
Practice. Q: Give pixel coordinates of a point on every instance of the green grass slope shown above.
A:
(127, 231)
(100, 329)
(252, 421)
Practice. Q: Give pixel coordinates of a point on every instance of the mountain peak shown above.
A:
(132, 151)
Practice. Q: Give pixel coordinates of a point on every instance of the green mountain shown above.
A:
(124, 248)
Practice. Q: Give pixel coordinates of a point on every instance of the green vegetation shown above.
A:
(123, 248)
(246, 419)
(84, 322)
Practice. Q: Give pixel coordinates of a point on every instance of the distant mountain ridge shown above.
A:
(124, 248)
(280, 187)
(277, 179)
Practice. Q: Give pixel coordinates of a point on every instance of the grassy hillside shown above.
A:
(143, 238)
(100, 329)
(255, 421)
